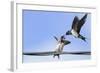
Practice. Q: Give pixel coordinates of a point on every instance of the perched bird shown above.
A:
(76, 27)
(61, 43)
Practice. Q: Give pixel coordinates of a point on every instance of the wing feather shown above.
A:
(66, 42)
(55, 38)
(81, 22)
(75, 23)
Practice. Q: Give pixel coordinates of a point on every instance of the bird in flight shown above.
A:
(60, 45)
(76, 27)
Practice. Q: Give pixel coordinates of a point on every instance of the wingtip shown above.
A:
(85, 15)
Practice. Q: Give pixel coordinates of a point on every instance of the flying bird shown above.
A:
(76, 27)
(61, 43)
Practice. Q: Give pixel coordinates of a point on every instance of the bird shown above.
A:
(76, 27)
(61, 43)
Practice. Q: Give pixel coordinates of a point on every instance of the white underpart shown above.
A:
(74, 33)
(59, 47)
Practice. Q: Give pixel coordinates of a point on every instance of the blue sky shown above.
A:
(39, 27)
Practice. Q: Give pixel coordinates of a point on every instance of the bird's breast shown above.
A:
(74, 33)
(59, 47)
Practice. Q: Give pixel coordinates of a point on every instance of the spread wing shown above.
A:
(53, 52)
(55, 38)
(75, 23)
(66, 42)
(81, 22)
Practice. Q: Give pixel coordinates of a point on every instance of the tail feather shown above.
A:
(56, 55)
(82, 37)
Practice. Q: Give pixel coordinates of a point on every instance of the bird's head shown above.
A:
(68, 32)
(62, 37)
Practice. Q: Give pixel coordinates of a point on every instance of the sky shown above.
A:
(39, 27)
